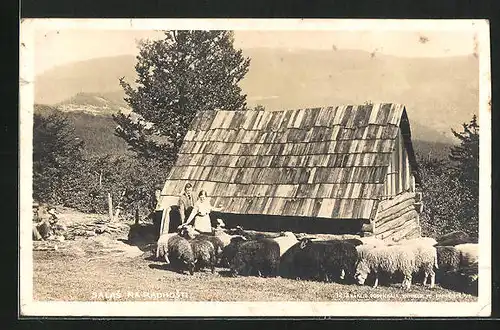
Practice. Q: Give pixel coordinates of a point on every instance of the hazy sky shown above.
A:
(58, 47)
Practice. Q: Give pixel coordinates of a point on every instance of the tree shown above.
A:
(57, 153)
(186, 72)
(465, 156)
(451, 187)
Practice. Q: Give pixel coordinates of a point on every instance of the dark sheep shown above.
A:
(353, 241)
(216, 241)
(454, 238)
(448, 258)
(204, 254)
(252, 234)
(462, 280)
(320, 260)
(229, 252)
(257, 257)
(180, 253)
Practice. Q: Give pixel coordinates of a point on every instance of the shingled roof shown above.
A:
(324, 162)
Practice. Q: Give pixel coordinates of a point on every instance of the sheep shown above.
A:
(181, 253)
(204, 254)
(426, 261)
(256, 257)
(224, 237)
(319, 260)
(419, 240)
(468, 254)
(353, 241)
(286, 241)
(389, 259)
(372, 241)
(448, 259)
(454, 238)
(162, 246)
(252, 234)
(425, 256)
(229, 251)
(205, 248)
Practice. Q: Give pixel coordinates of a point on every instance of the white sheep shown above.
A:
(389, 259)
(286, 241)
(425, 261)
(468, 254)
(419, 240)
(421, 257)
(162, 246)
(224, 237)
(372, 241)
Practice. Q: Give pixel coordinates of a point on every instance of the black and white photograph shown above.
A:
(250, 167)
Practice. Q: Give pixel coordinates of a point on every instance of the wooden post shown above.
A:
(110, 207)
(165, 220)
(119, 205)
(136, 215)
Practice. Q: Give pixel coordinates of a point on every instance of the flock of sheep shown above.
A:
(249, 253)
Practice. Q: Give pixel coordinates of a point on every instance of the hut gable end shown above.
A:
(330, 162)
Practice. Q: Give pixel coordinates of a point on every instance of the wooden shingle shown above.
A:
(327, 162)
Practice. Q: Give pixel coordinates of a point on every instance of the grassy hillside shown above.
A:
(440, 93)
(96, 131)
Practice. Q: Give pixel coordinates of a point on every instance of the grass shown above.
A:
(83, 271)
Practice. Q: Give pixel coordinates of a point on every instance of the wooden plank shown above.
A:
(374, 114)
(388, 234)
(326, 208)
(398, 199)
(403, 231)
(397, 212)
(396, 222)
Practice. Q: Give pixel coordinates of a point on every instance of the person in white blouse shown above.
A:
(201, 213)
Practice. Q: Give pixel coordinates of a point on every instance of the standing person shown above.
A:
(201, 213)
(186, 202)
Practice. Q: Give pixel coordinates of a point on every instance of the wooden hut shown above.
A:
(345, 169)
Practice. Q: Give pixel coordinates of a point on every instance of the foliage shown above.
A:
(450, 187)
(64, 174)
(186, 72)
(57, 154)
(465, 156)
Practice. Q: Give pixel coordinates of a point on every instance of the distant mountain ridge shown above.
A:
(439, 93)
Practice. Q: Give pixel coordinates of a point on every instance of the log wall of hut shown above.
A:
(294, 224)
(398, 218)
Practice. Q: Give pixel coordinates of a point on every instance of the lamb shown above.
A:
(286, 241)
(319, 260)
(181, 253)
(162, 246)
(256, 257)
(389, 259)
